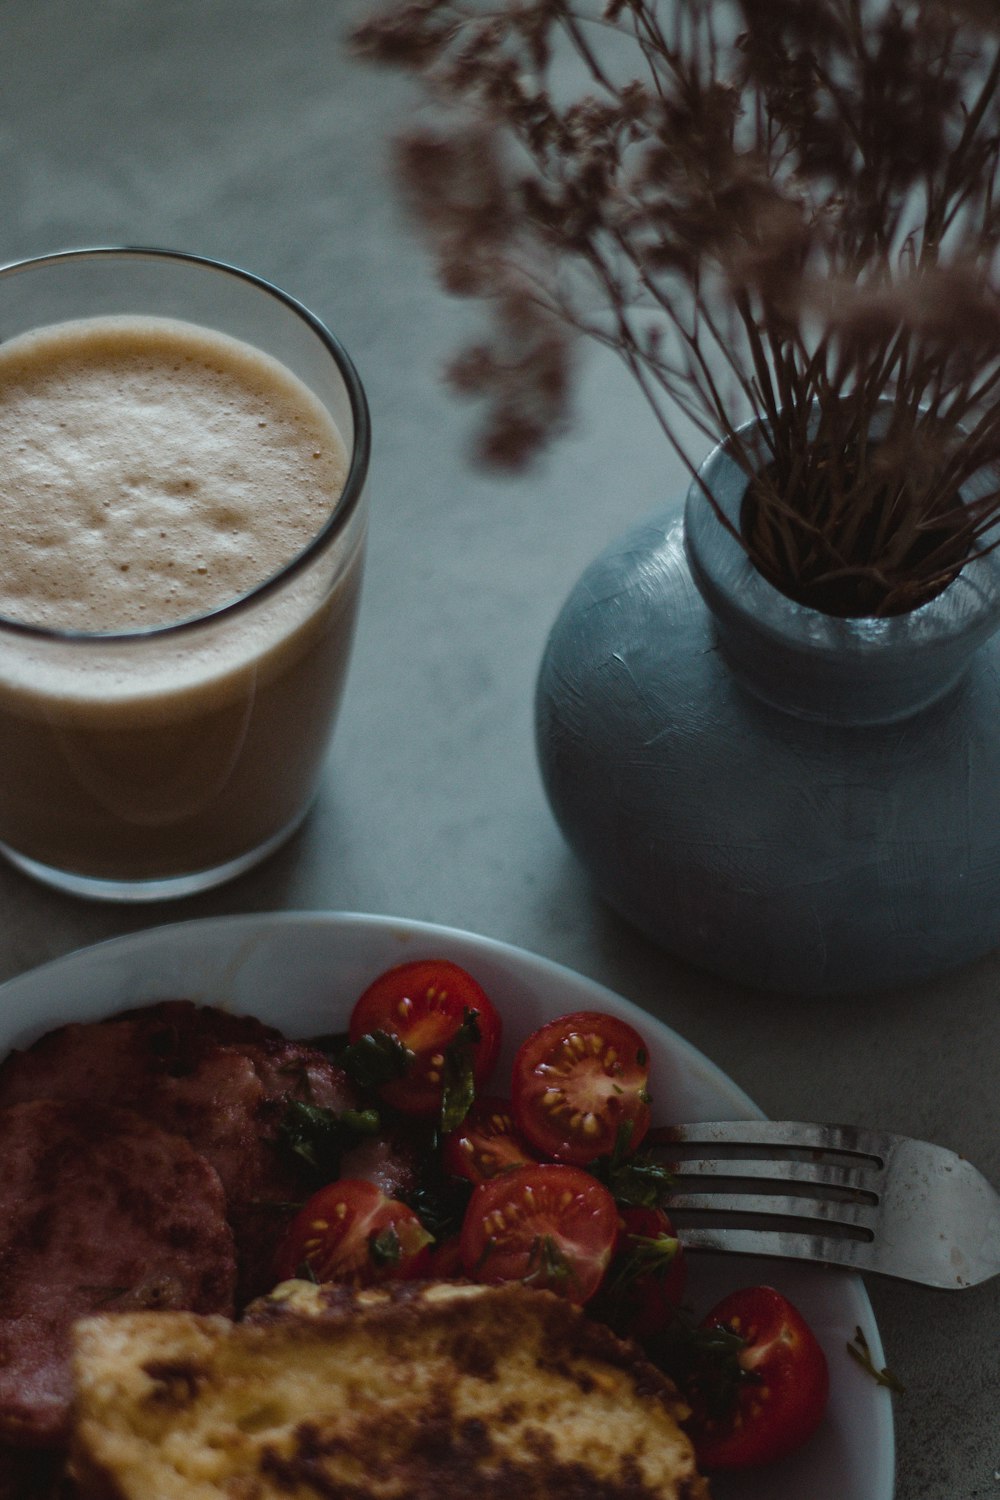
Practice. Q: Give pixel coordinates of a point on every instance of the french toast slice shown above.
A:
(423, 1390)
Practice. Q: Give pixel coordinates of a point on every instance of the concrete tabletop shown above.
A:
(241, 129)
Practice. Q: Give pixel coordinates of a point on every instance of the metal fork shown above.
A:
(859, 1198)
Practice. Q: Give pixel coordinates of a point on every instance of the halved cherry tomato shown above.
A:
(579, 1085)
(645, 1282)
(350, 1231)
(775, 1393)
(547, 1225)
(446, 1021)
(486, 1142)
(445, 1261)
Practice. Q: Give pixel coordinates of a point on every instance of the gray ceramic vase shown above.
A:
(794, 801)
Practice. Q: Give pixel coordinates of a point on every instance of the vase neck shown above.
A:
(819, 666)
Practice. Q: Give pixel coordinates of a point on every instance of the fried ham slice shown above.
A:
(422, 1389)
(222, 1082)
(99, 1208)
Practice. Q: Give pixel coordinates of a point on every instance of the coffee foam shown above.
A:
(151, 471)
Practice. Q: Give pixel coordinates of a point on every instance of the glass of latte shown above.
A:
(183, 451)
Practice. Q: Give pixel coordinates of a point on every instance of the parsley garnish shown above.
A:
(704, 1363)
(380, 1057)
(634, 1179)
(376, 1058)
(440, 1203)
(318, 1136)
(458, 1084)
(643, 1255)
(548, 1265)
(384, 1247)
(860, 1351)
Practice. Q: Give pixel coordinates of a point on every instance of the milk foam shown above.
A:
(150, 471)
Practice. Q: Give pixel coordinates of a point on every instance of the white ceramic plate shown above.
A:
(303, 971)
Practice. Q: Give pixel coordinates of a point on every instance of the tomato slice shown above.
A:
(448, 1024)
(350, 1231)
(445, 1262)
(546, 1225)
(777, 1391)
(486, 1142)
(645, 1282)
(579, 1083)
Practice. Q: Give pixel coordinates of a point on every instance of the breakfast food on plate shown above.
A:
(222, 1082)
(99, 1208)
(425, 1389)
(501, 1289)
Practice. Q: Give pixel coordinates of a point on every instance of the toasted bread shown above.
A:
(435, 1389)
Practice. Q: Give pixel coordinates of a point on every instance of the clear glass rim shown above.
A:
(339, 517)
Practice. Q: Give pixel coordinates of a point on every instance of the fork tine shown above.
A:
(847, 1139)
(767, 1243)
(829, 1212)
(850, 1180)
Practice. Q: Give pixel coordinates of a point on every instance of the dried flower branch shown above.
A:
(766, 209)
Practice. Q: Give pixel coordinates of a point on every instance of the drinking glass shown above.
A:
(149, 763)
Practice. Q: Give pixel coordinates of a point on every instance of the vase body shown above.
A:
(794, 801)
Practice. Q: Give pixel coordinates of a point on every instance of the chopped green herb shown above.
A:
(704, 1363)
(384, 1247)
(376, 1058)
(440, 1203)
(459, 1087)
(318, 1136)
(644, 1255)
(547, 1265)
(860, 1351)
(634, 1179)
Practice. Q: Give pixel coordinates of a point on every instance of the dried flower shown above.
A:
(768, 210)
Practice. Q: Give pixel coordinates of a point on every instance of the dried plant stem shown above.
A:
(767, 210)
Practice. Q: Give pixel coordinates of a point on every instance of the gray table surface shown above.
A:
(240, 129)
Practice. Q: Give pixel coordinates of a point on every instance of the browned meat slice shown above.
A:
(123, 1054)
(196, 1026)
(223, 1082)
(100, 1210)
